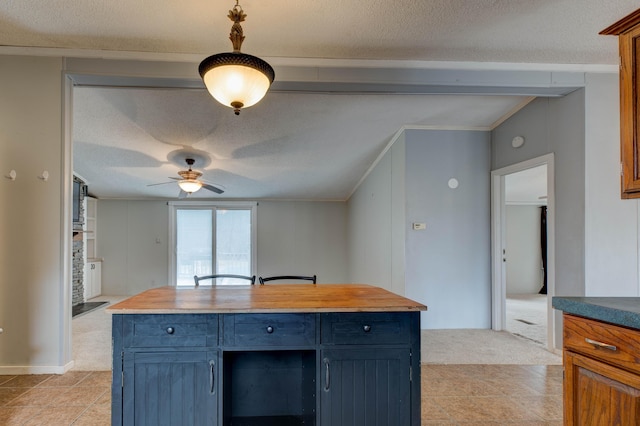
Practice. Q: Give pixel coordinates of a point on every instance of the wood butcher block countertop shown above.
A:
(280, 298)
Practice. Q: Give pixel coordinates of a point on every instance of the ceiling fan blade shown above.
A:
(183, 194)
(161, 183)
(175, 178)
(212, 188)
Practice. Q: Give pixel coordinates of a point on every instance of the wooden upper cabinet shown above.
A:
(628, 31)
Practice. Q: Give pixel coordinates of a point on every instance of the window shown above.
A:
(211, 238)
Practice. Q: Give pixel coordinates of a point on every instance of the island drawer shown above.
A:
(365, 328)
(607, 342)
(169, 330)
(264, 330)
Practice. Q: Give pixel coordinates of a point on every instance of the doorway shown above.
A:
(518, 194)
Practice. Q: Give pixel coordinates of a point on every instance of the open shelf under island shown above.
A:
(300, 354)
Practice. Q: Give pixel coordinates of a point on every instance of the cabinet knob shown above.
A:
(269, 329)
(366, 328)
(170, 330)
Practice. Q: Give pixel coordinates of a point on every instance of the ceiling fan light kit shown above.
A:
(189, 181)
(190, 185)
(235, 79)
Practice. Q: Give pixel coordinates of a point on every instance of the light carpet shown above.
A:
(526, 316)
(482, 347)
(91, 337)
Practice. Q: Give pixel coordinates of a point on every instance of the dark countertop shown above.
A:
(624, 311)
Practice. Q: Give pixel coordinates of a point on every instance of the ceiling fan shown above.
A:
(189, 181)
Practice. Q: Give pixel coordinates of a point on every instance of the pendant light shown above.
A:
(236, 79)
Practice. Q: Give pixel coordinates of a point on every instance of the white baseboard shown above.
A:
(35, 369)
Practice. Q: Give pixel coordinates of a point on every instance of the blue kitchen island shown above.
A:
(301, 354)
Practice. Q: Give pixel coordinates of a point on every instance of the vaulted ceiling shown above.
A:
(304, 143)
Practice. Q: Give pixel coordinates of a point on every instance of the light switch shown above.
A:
(419, 226)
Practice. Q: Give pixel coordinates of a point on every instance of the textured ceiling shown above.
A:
(292, 145)
(549, 31)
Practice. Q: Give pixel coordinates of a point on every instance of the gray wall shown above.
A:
(524, 254)
(34, 300)
(293, 238)
(611, 237)
(448, 264)
(132, 241)
(554, 125)
(300, 237)
(377, 224)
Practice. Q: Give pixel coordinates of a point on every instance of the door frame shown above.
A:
(498, 242)
(213, 205)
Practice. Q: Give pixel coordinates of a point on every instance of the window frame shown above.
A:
(174, 206)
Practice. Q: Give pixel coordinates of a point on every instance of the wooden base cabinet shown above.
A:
(601, 373)
(598, 394)
(262, 369)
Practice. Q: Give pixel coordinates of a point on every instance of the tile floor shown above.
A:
(74, 398)
(451, 395)
(491, 394)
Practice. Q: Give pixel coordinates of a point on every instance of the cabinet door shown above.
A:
(629, 110)
(170, 388)
(598, 394)
(365, 387)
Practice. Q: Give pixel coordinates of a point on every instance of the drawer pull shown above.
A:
(269, 329)
(601, 345)
(366, 328)
(170, 330)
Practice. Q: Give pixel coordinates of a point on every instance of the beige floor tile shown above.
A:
(70, 378)
(486, 409)
(26, 381)
(472, 371)
(80, 395)
(38, 397)
(9, 394)
(459, 387)
(430, 411)
(97, 378)
(58, 416)
(510, 387)
(96, 415)
(105, 398)
(546, 407)
(505, 422)
(17, 415)
(5, 378)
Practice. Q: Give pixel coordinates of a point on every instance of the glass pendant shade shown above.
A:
(236, 80)
(190, 185)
